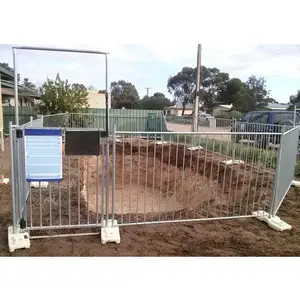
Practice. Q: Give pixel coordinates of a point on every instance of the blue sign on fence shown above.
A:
(43, 155)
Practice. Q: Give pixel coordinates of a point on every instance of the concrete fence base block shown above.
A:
(233, 162)
(110, 233)
(19, 240)
(36, 185)
(195, 148)
(296, 184)
(274, 222)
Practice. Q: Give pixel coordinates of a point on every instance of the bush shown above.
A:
(229, 115)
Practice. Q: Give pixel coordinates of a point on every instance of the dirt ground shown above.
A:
(247, 237)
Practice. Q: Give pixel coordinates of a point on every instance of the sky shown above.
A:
(150, 65)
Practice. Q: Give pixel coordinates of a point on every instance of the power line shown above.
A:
(285, 50)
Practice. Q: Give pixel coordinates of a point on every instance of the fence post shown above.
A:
(12, 133)
(212, 123)
(110, 233)
(113, 175)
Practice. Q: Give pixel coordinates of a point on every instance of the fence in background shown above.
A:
(160, 178)
(24, 115)
(129, 120)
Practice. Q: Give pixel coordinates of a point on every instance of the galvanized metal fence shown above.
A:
(146, 177)
(285, 165)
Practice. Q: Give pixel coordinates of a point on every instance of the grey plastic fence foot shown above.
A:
(19, 240)
(274, 222)
(110, 233)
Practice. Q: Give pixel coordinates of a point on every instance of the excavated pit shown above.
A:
(167, 182)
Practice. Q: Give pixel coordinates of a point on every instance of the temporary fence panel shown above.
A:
(285, 167)
(178, 177)
(78, 200)
(164, 177)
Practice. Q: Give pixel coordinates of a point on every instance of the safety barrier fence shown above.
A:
(154, 177)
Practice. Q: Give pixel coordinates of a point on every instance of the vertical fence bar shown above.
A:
(113, 176)
(16, 96)
(102, 182)
(107, 182)
(12, 134)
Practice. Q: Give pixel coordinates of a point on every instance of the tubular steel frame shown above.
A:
(16, 93)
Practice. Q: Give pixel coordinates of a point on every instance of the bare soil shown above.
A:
(160, 181)
(247, 237)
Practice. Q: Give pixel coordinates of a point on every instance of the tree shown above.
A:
(295, 100)
(213, 81)
(182, 86)
(28, 84)
(257, 90)
(124, 94)
(92, 88)
(59, 96)
(157, 102)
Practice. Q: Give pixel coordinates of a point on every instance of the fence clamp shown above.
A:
(23, 224)
(19, 133)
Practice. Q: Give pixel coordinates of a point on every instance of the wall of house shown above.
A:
(97, 100)
(219, 109)
(178, 112)
(6, 102)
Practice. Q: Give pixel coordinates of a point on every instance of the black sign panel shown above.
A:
(82, 143)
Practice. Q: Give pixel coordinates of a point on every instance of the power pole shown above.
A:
(197, 100)
(148, 89)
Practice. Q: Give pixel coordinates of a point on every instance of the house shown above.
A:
(27, 96)
(97, 100)
(178, 109)
(278, 106)
(222, 108)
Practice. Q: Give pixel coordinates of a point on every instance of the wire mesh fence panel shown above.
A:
(172, 177)
(224, 123)
(78, 200)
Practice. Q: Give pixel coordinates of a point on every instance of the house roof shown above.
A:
(278, 106)
(5, 74)
(8, 89)
(189, 106)
(226, 106)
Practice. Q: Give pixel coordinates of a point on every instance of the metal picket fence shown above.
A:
(144, 177)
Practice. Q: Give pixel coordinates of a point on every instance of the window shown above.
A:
(262, 119)
(279, 117)
(250, 116)
(247, 118)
